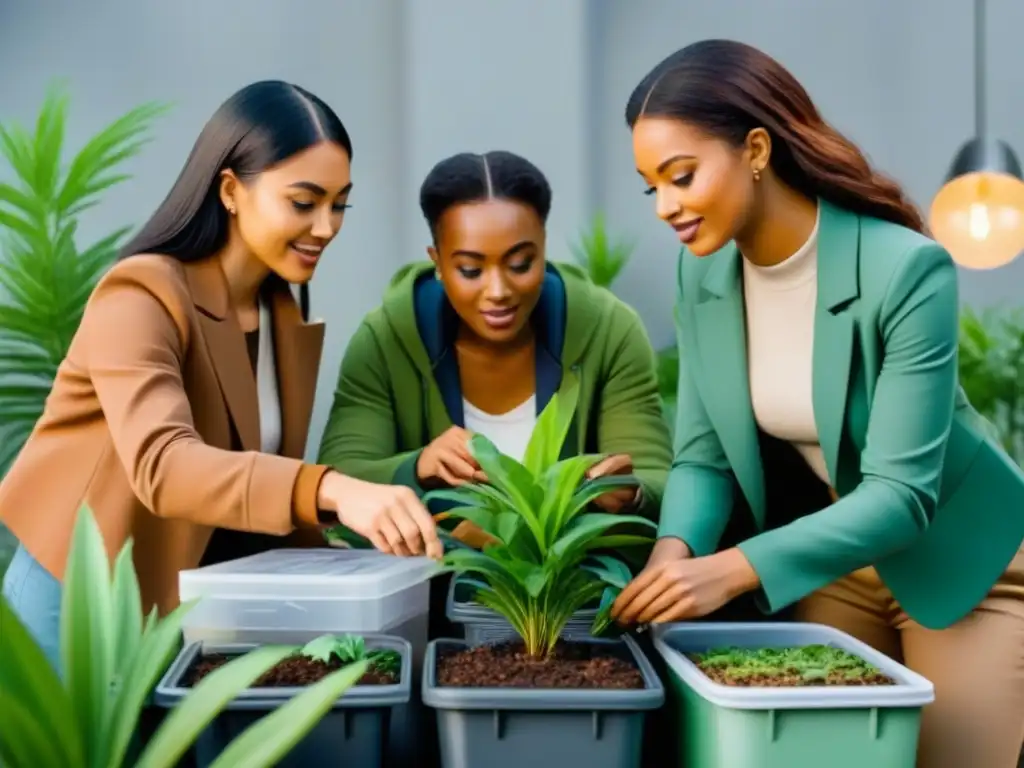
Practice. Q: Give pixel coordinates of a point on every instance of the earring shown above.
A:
(757, 175)
(231, 210)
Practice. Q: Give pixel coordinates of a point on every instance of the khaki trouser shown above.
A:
(977, 665)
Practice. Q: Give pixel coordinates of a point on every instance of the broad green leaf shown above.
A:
(161, 642)
(610, 570)
(264, 743)
(320, 648)
(127, 608)
(187, 720)
(25, 743)
(29, 681)
(589, 527)
(552, 428)
(87, 631)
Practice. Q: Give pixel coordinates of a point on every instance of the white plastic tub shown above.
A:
(290, 596)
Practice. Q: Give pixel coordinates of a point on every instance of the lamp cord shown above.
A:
(980, 126)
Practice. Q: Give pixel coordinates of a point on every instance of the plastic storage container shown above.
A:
(354, 731)
(481, 625)
(293, 595)
(542, 727)
(723, 726)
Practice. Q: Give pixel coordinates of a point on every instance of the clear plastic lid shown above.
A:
(341, 574)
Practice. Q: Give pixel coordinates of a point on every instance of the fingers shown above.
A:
(644, 579)
(638, 606)
(618, 464)
(457, 467)
(426, 539)
(393, 536)
(675, 595)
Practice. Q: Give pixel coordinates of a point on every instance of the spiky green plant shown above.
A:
(45, 277)
(602, 257)
(545, 563)
(349, 648)
(111, 660)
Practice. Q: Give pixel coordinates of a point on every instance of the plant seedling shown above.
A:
(351, 648)
(543, 563)
(802, 665)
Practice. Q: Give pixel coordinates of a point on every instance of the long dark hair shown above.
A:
(259, 126)
(727, 89)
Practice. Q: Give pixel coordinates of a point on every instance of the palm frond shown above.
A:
(45, 278)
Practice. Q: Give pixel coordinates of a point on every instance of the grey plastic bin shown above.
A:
(354, 731)
(544, 727)
(481, 625)
(721, 726)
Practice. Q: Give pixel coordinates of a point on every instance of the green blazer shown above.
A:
(924, 494)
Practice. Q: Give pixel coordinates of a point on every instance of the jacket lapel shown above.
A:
(297, 350)
(298, 347)
(722, 341)
(226, 346)
(838, 286)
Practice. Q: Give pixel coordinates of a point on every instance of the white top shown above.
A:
(780, 302)
(266, 385)
(510, 432)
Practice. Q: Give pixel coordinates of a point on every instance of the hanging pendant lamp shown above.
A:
(978, 214)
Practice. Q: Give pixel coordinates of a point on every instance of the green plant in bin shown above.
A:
(351, 648)
(111, 658)
(548, 558)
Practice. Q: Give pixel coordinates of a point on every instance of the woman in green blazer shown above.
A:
(479, 338)
(818, 329)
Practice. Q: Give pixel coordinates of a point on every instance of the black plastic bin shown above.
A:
(353, 732)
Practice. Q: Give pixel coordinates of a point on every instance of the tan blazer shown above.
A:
(153, 422)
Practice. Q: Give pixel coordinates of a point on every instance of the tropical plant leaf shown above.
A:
(87, 632)
(45, 281)
(31, 686)
(214, 692)
(264, 743)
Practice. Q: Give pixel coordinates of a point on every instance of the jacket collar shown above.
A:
(297, 350)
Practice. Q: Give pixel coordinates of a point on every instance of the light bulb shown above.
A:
(979, 219)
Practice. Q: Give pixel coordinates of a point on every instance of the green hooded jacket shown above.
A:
(398, 386)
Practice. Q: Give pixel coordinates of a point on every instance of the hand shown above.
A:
(390, 516)
(670, 590)
(615, 501)
(447, 460)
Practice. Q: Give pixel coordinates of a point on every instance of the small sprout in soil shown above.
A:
(788, 667)
(351, 648)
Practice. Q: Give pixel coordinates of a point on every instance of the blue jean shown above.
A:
(35, 596)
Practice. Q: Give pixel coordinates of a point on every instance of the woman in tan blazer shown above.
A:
(181, 411)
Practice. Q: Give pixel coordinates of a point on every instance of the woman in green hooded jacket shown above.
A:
(478, 340)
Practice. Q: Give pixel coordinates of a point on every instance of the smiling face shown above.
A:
(490, 256)
(703, 187)
(288, 214)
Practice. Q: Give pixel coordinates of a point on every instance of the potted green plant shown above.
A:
(788, 695)
(353, 732)
(538, 698)
(45, 277)
(111, 658)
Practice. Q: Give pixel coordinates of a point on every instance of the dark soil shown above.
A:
(295, 671)
(506, 665)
